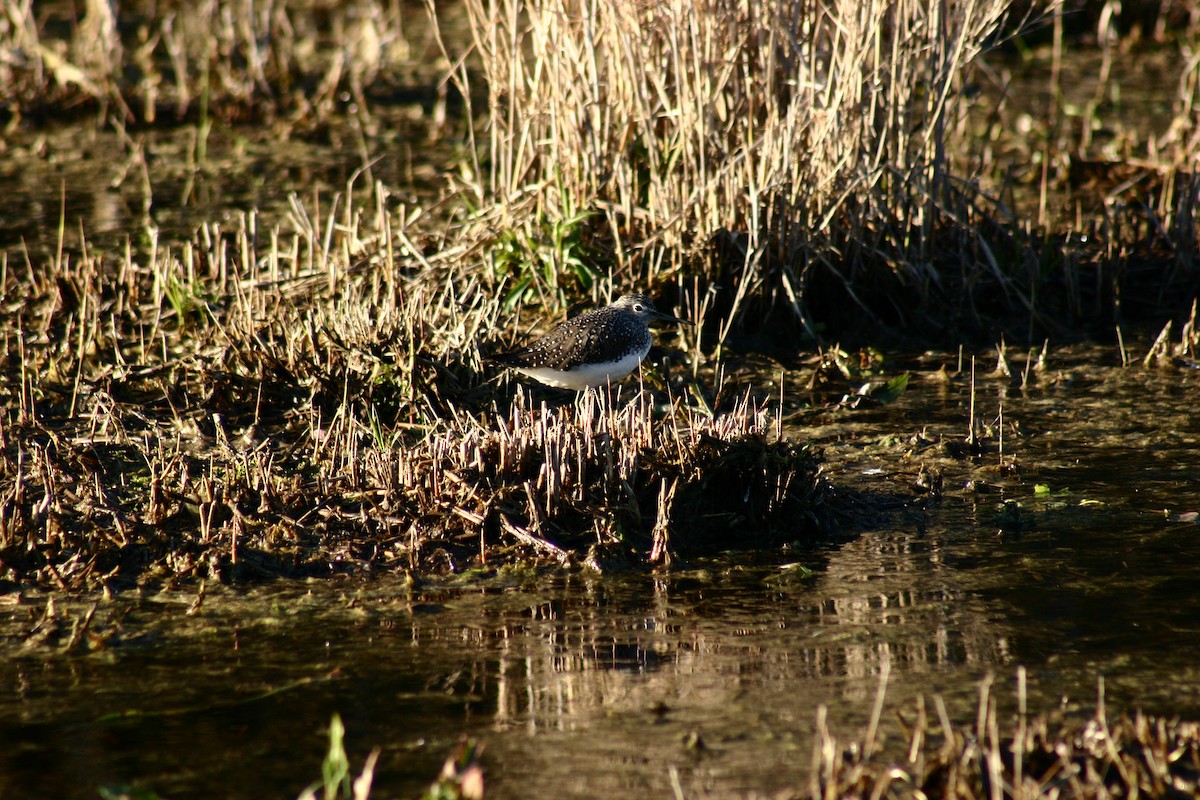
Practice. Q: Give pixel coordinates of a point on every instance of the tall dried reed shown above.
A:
(754, 142)
(138, 60)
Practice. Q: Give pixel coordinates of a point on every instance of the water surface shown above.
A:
(583, 684)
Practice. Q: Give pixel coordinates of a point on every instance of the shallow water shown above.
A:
(104, 192)
(584, 685)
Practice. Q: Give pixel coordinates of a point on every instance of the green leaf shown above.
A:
(891, 390)
(517, 292)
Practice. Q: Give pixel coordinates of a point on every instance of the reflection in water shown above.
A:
(584, 685)
(725, 650)
(724, 633)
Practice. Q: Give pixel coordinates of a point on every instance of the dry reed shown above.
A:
(1032, 757)
(756, 143)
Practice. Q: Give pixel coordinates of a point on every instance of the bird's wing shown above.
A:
(599, 342)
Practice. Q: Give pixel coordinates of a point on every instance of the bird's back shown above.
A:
(604, 335)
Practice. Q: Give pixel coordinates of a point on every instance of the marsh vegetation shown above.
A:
(304, 391)
(297, 386)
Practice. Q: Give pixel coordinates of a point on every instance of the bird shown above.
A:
(593, 349)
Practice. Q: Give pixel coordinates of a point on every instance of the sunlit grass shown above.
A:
(306, 403)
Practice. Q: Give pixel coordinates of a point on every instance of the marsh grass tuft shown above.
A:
(790, 165)
(608, 475)
(759, 146)
(1026, 758)
(305, 403)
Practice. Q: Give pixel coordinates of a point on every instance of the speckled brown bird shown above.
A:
(596, 348)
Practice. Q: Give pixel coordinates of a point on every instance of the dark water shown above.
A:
(95, 187)
(584, 685)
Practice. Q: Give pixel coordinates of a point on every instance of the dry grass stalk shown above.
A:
(788, 133)
(1035, 758)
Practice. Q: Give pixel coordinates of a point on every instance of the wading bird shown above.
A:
(596, 348)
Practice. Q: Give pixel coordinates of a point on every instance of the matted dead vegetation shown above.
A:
(307, 394)
(224, 411)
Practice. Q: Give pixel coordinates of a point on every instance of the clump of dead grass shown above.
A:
(309, 400)
(1032, 757)
(611, 478)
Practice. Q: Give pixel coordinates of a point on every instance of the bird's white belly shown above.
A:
(586, 375)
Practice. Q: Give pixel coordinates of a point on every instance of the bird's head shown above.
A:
(641, 307)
